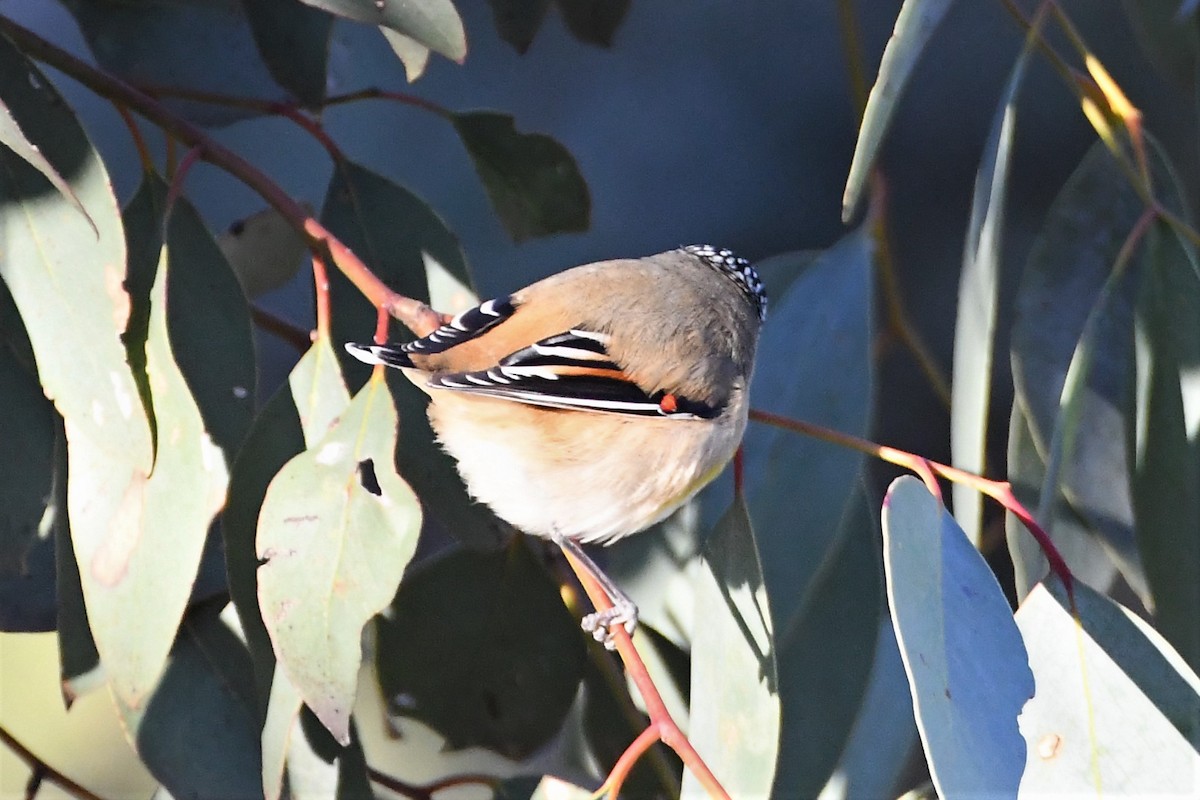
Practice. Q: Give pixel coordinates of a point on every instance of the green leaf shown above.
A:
(1169, 36)
(293, 41)
(264, 251)
(825, 658)
(917, 21)
(798, 488)
(396, 234)
(966, 664)
(208, 320)
(1116, 709)
(198, 734)
(336, 530)
(1084, 551)
(407, 245)
(978, 287)
(275, 437)
(503, 662)
(1166, 467)
(878, 752)
(1061, 287)
(433, 23)
(412, 54)
(594, 21)
(20, 83)
(278, 435)
(533, 182)
(181, 497)
(656, 569)
(67, 284)
(279, 726)
(319, 768)
(735, 714)
(79, 661)
(517, 21)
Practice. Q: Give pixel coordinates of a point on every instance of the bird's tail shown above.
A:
(389, 355)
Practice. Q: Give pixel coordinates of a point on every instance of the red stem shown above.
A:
(661, 723)
(1000, 491)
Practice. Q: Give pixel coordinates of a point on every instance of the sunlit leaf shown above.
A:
(735, 714)
(58, 270)
(412, 54)
(966, 664)
(433, 23)
(1116, 709)
(978, 287)
(336, 530)
(407, 246)
(917, 21)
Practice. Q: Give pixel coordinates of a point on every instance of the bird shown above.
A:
(593, 403)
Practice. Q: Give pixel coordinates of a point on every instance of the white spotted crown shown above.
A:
(737, 270)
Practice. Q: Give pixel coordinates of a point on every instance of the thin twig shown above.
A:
(416, 315)
(43, 770)
(661, 722)
(280, 328)
(1000, 491)
(428, 790)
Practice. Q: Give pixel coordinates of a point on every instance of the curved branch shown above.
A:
(414, 314)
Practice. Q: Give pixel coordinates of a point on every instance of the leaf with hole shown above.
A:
(335, 533)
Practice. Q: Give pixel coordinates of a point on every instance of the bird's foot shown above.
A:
(600, 624)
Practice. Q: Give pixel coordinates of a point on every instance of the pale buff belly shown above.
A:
(570, 472)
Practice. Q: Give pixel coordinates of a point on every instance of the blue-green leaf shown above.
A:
(917, 21)
(966, 664)
(735, 713)
(975, 323)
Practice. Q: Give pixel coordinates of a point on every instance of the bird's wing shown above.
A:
(570, 370)
(464, 327)
(467, 325)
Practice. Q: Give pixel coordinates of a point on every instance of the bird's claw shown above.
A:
(600, 624)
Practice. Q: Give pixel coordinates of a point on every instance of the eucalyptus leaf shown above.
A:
(433, 23)
(533, 182)
(966, 664)
(336, 530)
(917, 21)
(735, 714)
(1116, 707)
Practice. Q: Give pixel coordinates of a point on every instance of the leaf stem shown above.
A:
(662, 726)
(43, 771)
(427, 791)
(1000, 491)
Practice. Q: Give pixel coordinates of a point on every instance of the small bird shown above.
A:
(590, 405)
